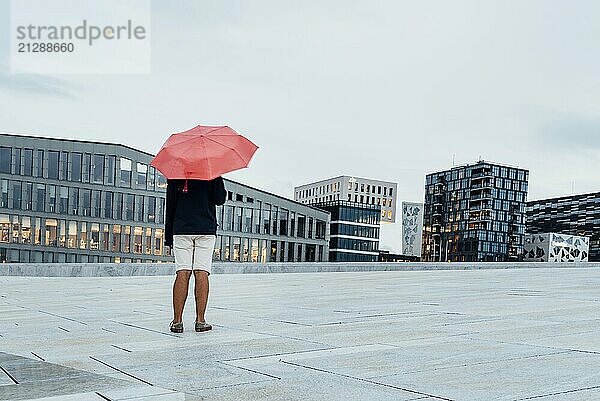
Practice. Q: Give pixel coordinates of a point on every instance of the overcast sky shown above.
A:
(389, 90)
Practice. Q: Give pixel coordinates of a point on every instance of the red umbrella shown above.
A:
(203, 153)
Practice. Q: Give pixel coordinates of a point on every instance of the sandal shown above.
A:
(203, 326)
(176, 327)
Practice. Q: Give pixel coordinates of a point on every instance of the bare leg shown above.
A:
(180, 293)
(201, 293)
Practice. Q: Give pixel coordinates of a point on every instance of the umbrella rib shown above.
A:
(230, 148)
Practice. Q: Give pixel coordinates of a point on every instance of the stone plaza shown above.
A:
(491, 334)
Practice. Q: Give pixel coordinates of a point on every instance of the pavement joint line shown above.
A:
(102, 396)
(63, 329)
(143, 312)
(278, 320)
(279, 354)
(558, 393)
(121, 348)
(110, 331)
(229, 385)
(464, 365)
(11, 377)
(63, 317)
(366, 380)
(121, 371)
(250, 370)
(467, 322)
(145, 328)
(539, 346)
(37, 356)
(269, 334)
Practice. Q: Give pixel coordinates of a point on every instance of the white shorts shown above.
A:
(193, 251)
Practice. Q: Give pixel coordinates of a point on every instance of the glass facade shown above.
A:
(475, 213)
(59, 203)
(78, 201)
(354, 231)
(259, 227)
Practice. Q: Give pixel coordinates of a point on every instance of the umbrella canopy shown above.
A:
(203, 153)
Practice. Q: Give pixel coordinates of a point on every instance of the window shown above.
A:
(320, 229)
(74, 200)
(245, 249)
(235, 245)
(226, 248)
(151, 178)
(257, 221)
(161, 181)
(16, 229)
(126, 239)
(266, 215)
(160, 207)
(86, 202)
(247, 220)
(27, 162)
(5, 159)
(4, 196)
(137, 239)
(40, 197)
(158, 241)
(108, 205)
(273, 257)
(95, 236)
(17, 155)
(97, 175)
(27, 196)
(129, 206)
(83, 235)
(76, 162)
(96, 200)
(151, 209)
(139, 208)
(39, 166)
(301, 226)
(17, 195)
(125, 173)
(283, 222)
(4, 228)
(109, 178)
(26, 230)
(51, 232)
(104, 237)
(142, 172)
(116, 244)
(148, 241)
(87, 167)
(72, 236)
(53, 156)
(64, 165)
(51, 206)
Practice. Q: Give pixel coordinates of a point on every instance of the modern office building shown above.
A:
(412, 228)
(552, 247)
(352, 189)
(68, 200)
(572, 215)
(354, 231)
(257, 226)
(475, 213)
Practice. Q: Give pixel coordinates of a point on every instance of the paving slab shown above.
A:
(378, 335)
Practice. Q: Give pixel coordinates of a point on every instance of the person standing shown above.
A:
(190, 231)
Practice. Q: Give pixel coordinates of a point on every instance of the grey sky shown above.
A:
(389, 90)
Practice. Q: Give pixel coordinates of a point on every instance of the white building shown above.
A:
(352, 189)
(412, 228)
(552, 247)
